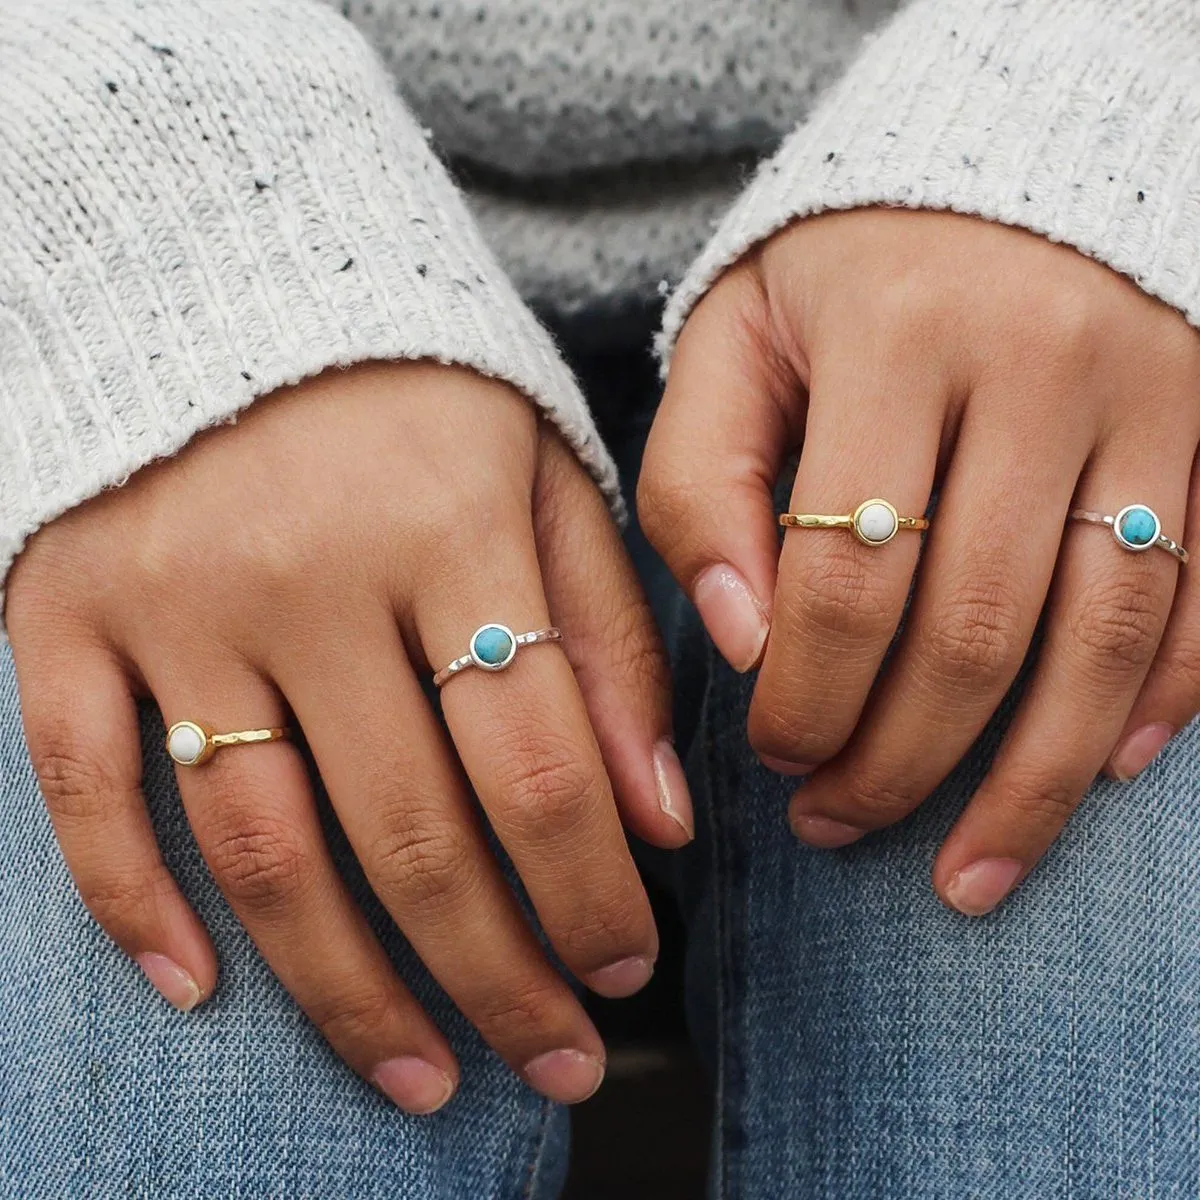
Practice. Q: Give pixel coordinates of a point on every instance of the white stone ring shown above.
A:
(493, 648)
(1136, 528)
(873, 522)
(189, 743)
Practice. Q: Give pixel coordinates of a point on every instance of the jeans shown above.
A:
(107, 1092)
(865, 1041)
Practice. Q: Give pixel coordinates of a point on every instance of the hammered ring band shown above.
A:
(873, 522)
(493, 648)
(1136, 528)
(190, 744)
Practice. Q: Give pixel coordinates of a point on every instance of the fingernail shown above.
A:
(565, 1076)
(174, 984)
(977, 889)
(734, 618)
(673, 796)
(782, 767)
(1139, 750)
(621, 979)
(413, 1084)
(824, 833)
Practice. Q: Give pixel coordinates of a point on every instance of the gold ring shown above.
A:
(873, 522)
(189, 743)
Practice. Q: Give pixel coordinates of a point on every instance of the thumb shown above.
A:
(718, 445)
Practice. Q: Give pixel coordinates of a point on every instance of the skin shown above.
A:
(899, 352)
(310, 564)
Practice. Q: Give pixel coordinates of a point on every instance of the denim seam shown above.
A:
(729, 923)
(539, 1151)
(718, 891)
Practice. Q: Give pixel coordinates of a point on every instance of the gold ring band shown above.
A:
(190, 744)
(874, 522)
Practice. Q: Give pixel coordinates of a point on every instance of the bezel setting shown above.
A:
(855, 522)
(207, 749)
(482, 663)
(1136, 547)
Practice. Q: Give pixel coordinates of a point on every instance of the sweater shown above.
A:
(204, 200)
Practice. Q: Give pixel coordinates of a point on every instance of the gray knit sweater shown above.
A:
(203, 200)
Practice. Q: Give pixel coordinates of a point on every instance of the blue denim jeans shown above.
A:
(865, 1042)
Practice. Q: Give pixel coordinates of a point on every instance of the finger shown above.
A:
(1170, 697)
(705, 494)
(985, 572)
(874, 429)
(1107, 612)
(81, 724)
(256, 822)
(404, 805)
(524, 737)
(611, 641)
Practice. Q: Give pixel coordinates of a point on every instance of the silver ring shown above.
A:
(1136, 528)
(493, 648)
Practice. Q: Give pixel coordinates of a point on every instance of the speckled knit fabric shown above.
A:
(202, 200)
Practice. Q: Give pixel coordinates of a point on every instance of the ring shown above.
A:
(189, 743)
(1136, 527)
(493, 647)
(873, 522)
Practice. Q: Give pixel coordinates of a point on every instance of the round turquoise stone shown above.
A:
(1138, 526)
(492, 646)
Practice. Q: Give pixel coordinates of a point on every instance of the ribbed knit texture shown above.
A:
(1077, 119)
(203, 201)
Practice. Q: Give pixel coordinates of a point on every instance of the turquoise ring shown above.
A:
(493, 648)
(1136, 528)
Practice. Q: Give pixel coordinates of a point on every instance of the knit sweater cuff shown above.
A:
(1076, 119)
(201, 203)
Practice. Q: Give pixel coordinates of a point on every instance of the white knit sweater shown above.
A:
(203, 200)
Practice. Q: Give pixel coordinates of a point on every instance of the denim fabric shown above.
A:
(106, 1092)
(870, 1043)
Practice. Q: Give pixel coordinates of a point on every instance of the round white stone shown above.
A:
(185, 745)
(876, 523)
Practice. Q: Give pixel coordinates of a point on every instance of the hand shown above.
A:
(315, 559)
(905, 351)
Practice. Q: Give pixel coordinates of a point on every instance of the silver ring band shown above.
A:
(1136, 528)
(493, 648)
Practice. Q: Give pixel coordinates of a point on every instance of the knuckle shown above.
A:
(902, 301)
(1117, 625)
(259, 861)
(123, 901)
(837, 596)
(975, 636)
(350, 1016)
(778, 728)
(548, 787)
(1180, 666)
(1068, 319)
(873, 800)
(615, 920)
(1040, 800)
(519, 1009)
(74, 784)
(418, 860)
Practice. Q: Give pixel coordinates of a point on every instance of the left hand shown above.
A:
(906, 351)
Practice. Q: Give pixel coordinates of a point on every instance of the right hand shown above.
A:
(311, 560)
